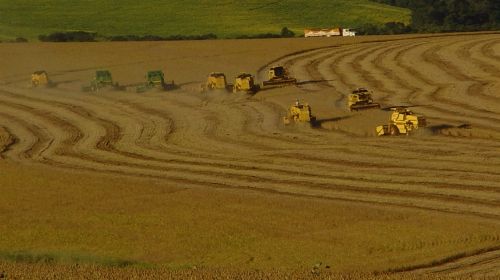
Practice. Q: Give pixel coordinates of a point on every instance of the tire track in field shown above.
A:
(487, 50)
(105, 146)
(108, 144)
(471, 52)
(440, 57)
(314, 186)
(478, 263)
(7, 140)
(452, 112)
(234, 142)
(455, 73)
(414, 89)
(430, 93)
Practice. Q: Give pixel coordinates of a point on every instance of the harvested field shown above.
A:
(292, 196)
(48, 271)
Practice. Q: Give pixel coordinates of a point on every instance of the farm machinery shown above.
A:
(102, 79)
(244, 82)
(155, 79)
(298, 113)
(40, 78)
(278, 76)
(361, 99)
(402, 122)
(216, 81)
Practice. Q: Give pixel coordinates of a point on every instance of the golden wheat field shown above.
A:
(192, 184)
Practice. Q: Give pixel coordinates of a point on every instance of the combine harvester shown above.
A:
(216, 81)
(41, 78)
(155, 79)
(278, 76)
(402, 122)
(361, 99)
(102, 79)
(245, 82)
(299, 113)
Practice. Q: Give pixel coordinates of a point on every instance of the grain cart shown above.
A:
(155, 79)
(102, 79)
(361, 99)
(244, 82)
(278, 76)
(402, 122)
(40, 78)
(299, 112)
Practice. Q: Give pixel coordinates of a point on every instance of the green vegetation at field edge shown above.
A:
(226, 19)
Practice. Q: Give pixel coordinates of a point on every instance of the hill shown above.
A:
(226, 19)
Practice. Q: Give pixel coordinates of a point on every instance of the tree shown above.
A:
(287, 33)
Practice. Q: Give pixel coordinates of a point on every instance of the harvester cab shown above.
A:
(278, 76)
(215, 81)
(102, 79)
(298, 113)
(155, 79)
(361, 99)
(244, 82)
(277, 72)
(40, 78)
(402, 122)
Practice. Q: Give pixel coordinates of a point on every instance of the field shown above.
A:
(224, 18)
(173, 181)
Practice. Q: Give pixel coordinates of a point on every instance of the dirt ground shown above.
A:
(224, 142)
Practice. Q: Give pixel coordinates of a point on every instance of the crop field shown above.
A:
(29, 19)
(211, 184)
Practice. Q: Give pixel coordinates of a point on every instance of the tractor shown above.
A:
(245, 83)
(361, 99)
(278, 76)
(155, 79)
(402, 122)
(298, 113)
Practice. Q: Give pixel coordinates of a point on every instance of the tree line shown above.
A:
(85, 36)
(450, 15)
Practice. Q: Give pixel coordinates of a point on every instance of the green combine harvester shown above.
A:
(101, 80)
(155, 79)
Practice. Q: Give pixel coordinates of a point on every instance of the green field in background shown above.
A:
(24, 18)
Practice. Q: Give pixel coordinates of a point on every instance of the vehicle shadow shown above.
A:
(313, 82)
(436, 129)
(319, 122)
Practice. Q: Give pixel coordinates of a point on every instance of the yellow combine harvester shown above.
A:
(216, 81)
(245, 83)
(278, 76)
(402, 122)
(40, 78)
(299, 113)
(361, 99)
